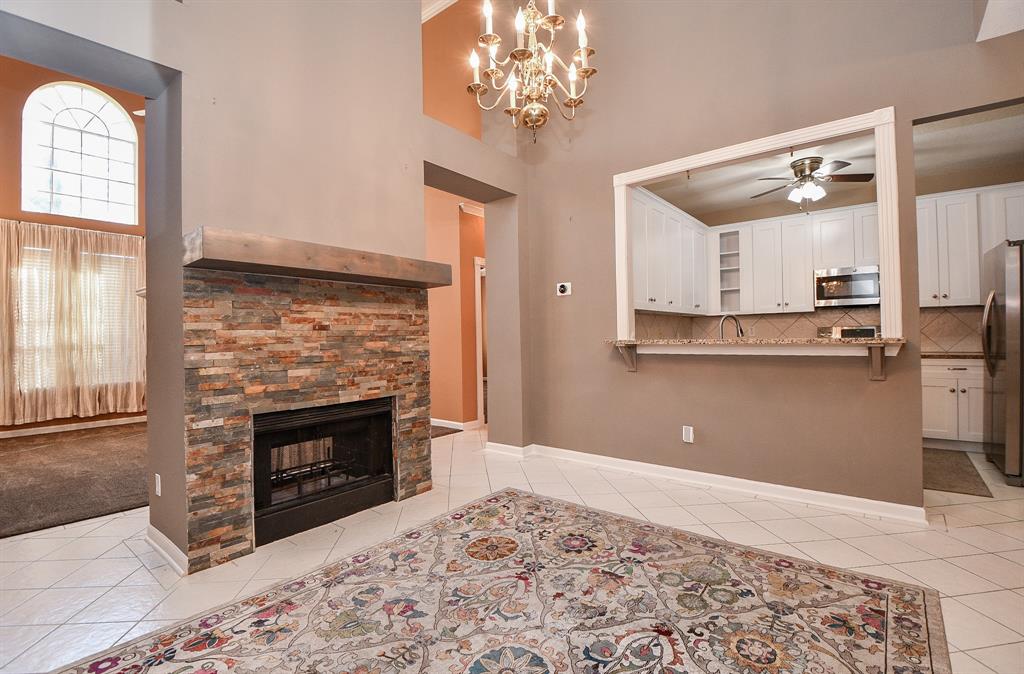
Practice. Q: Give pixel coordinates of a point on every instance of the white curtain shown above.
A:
(73, 337)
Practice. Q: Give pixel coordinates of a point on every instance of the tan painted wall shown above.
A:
(455, 238)
(441, 218)
(471, 245)
(816, 423)
(17, 82)
(447, 40)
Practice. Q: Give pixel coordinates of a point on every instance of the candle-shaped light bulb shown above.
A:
(581, 27)
(572, 80)
(474, 61)
(520, 28)
(512, 84)
(551, 7)
(488, 17)
(549, 60)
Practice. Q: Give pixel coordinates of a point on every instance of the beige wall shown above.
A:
(816, 423)
(322, 138)
(455, 238)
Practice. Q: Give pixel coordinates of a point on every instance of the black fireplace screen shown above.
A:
(314, 465)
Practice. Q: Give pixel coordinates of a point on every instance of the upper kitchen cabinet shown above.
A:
(783, 279)
(947, 242)
(846, 237)
(669, 257)
(1002, 215)
(834, 241)
(865, 235)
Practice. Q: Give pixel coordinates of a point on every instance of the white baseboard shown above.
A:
(42, 430)
(170, 552)
(459, 425)
(841, 502)
(508, 450)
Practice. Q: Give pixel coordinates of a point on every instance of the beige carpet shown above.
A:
(57, 478)
(950, 470)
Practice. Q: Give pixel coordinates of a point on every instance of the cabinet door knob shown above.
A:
(963, 390)
(935, 296)
(945, 295)
(778, 304)
(670, 301)
(787, 304)
(697, 306)
(952, 390)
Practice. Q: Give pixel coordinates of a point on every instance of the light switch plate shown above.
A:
(156, 483)
(688, 434)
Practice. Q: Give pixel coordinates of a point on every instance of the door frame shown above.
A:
(479, 272)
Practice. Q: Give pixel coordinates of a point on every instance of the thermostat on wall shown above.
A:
(563, 288)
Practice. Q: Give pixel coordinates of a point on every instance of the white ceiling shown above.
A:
(980, 142)
(726, 188)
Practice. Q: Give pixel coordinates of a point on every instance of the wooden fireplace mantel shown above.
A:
(232, 250)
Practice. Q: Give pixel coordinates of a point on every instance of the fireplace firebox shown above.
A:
(314, 465)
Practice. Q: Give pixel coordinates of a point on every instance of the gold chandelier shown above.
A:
(531, 80)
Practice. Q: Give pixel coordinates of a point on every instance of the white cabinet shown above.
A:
(957, 222)
(694, 270)
(1001, 215)
(797, 265)
(669, 257)
(766, 238)
(834, 241)
(782, 275)
(947, 247)
(939, 415)
(970, 402)
(865, 236)
(927, 253)
(953, 400)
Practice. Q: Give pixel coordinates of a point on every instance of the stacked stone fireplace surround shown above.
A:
(256, 343)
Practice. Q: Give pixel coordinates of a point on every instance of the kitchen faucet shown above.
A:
(721, 326)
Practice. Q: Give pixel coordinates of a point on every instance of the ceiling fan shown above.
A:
(809, 174)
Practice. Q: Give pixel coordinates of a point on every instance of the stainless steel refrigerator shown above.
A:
(1001, 345)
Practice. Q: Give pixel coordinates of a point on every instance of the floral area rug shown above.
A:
(522, 584)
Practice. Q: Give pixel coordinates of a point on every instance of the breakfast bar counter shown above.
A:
(873, 348)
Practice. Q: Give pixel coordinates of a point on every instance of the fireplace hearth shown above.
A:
(316, 464)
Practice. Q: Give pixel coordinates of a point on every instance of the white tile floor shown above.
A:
(86, 586)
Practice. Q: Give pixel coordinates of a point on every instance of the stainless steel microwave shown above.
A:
(846, 286)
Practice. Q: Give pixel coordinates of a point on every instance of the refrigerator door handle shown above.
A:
(986, 333)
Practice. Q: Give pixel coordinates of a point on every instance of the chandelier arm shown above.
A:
(560, 85)
(501, 95)
(566, 117)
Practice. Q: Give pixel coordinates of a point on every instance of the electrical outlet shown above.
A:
(562, 289)
(156, 483)
(688, 434)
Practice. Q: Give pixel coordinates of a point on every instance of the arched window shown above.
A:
(78, 155)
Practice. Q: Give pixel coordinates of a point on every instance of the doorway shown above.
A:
(969, 172)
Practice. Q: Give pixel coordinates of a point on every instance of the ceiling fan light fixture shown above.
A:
(813, 191)
(796, 195)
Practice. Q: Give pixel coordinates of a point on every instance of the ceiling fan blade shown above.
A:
(830, 168)
(787, 178)
(775, 189)
(850, 177)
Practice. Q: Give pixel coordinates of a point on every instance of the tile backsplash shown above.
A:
(943, 329)
(951, 330)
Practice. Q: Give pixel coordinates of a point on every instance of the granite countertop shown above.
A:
(754, 341)
(965, 356)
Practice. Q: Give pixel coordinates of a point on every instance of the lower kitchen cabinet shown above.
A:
(953, 403)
